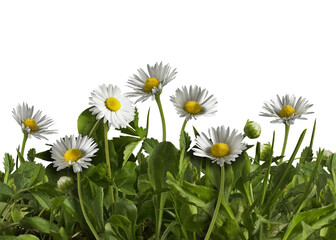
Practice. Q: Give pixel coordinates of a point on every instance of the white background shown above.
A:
(54, 53)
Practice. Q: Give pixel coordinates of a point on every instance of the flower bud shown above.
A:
(65, 184)
(252, 129)
(265, 152)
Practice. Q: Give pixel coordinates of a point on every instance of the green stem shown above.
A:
(83, 209)
(94, 128)
(219, 201)
(267, 174)
(182, 130)
(285, 142)
(158, 101)
(107, 157)
(184, 125)
(25, 137)
(160, 200)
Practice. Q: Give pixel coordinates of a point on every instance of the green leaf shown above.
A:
(182, 194)
(6, 190)
(93, 197)
(203, 192)
(43, 199)
(46, 155)
(38, 175)
(127, 209)
(39, 224)
(164, 158)
(129, 150)
(20, 181)
(149, 145)
(126, 177)
(306, 155)
(27, 237)
(119, 221)
(8, 163)
(99, 175)
(31, 154)
(308, 217)
(86, 122)
(16, 215)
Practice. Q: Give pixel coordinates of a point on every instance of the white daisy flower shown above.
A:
(108, 103)
(148, 85)
(286, 109)
(222, 146)
(32, 124)
(193, 102)
(73, 151)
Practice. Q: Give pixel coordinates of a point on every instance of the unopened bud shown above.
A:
(252, 129)
(65, 184)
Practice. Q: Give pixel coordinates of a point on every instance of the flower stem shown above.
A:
(107, 157)
(158, 101)
(219, 202)
(24, 141)
(285, 142)
(83, 209)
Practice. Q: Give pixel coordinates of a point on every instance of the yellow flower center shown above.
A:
(193, 107)
(150, 83)
(287, 111)
(72, 155)
(220, 149)
(31, 124)
(113, 104)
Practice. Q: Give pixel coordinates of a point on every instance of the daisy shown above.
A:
(286, 109)
(32, 124)
(73, 151)
(108, 103)
(222, 146)
(149, 85)
(193, 102)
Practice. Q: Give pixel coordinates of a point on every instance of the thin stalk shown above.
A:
(219, 201)
(107, 158)
(184, 125)
(24, 141)
(182, 130)
(83, 209)
(159, 212)
(285, 142)
(262, 199)
(158, 101)
(94, 128)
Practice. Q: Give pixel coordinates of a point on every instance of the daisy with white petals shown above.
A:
(221, 146)
(73, 151)
(109, 104)
(193, 102)
(32, 124)
(146, 85)
(286, 109)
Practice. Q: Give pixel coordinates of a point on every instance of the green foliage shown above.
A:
(152, 183)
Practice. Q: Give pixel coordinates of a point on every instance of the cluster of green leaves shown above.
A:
(264, 197)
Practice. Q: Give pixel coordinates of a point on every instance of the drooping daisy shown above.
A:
(148, 85)
(32, 124)
(193, 102)
(222, 146)
(286, 109)
(73, 151)
(108, 103)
